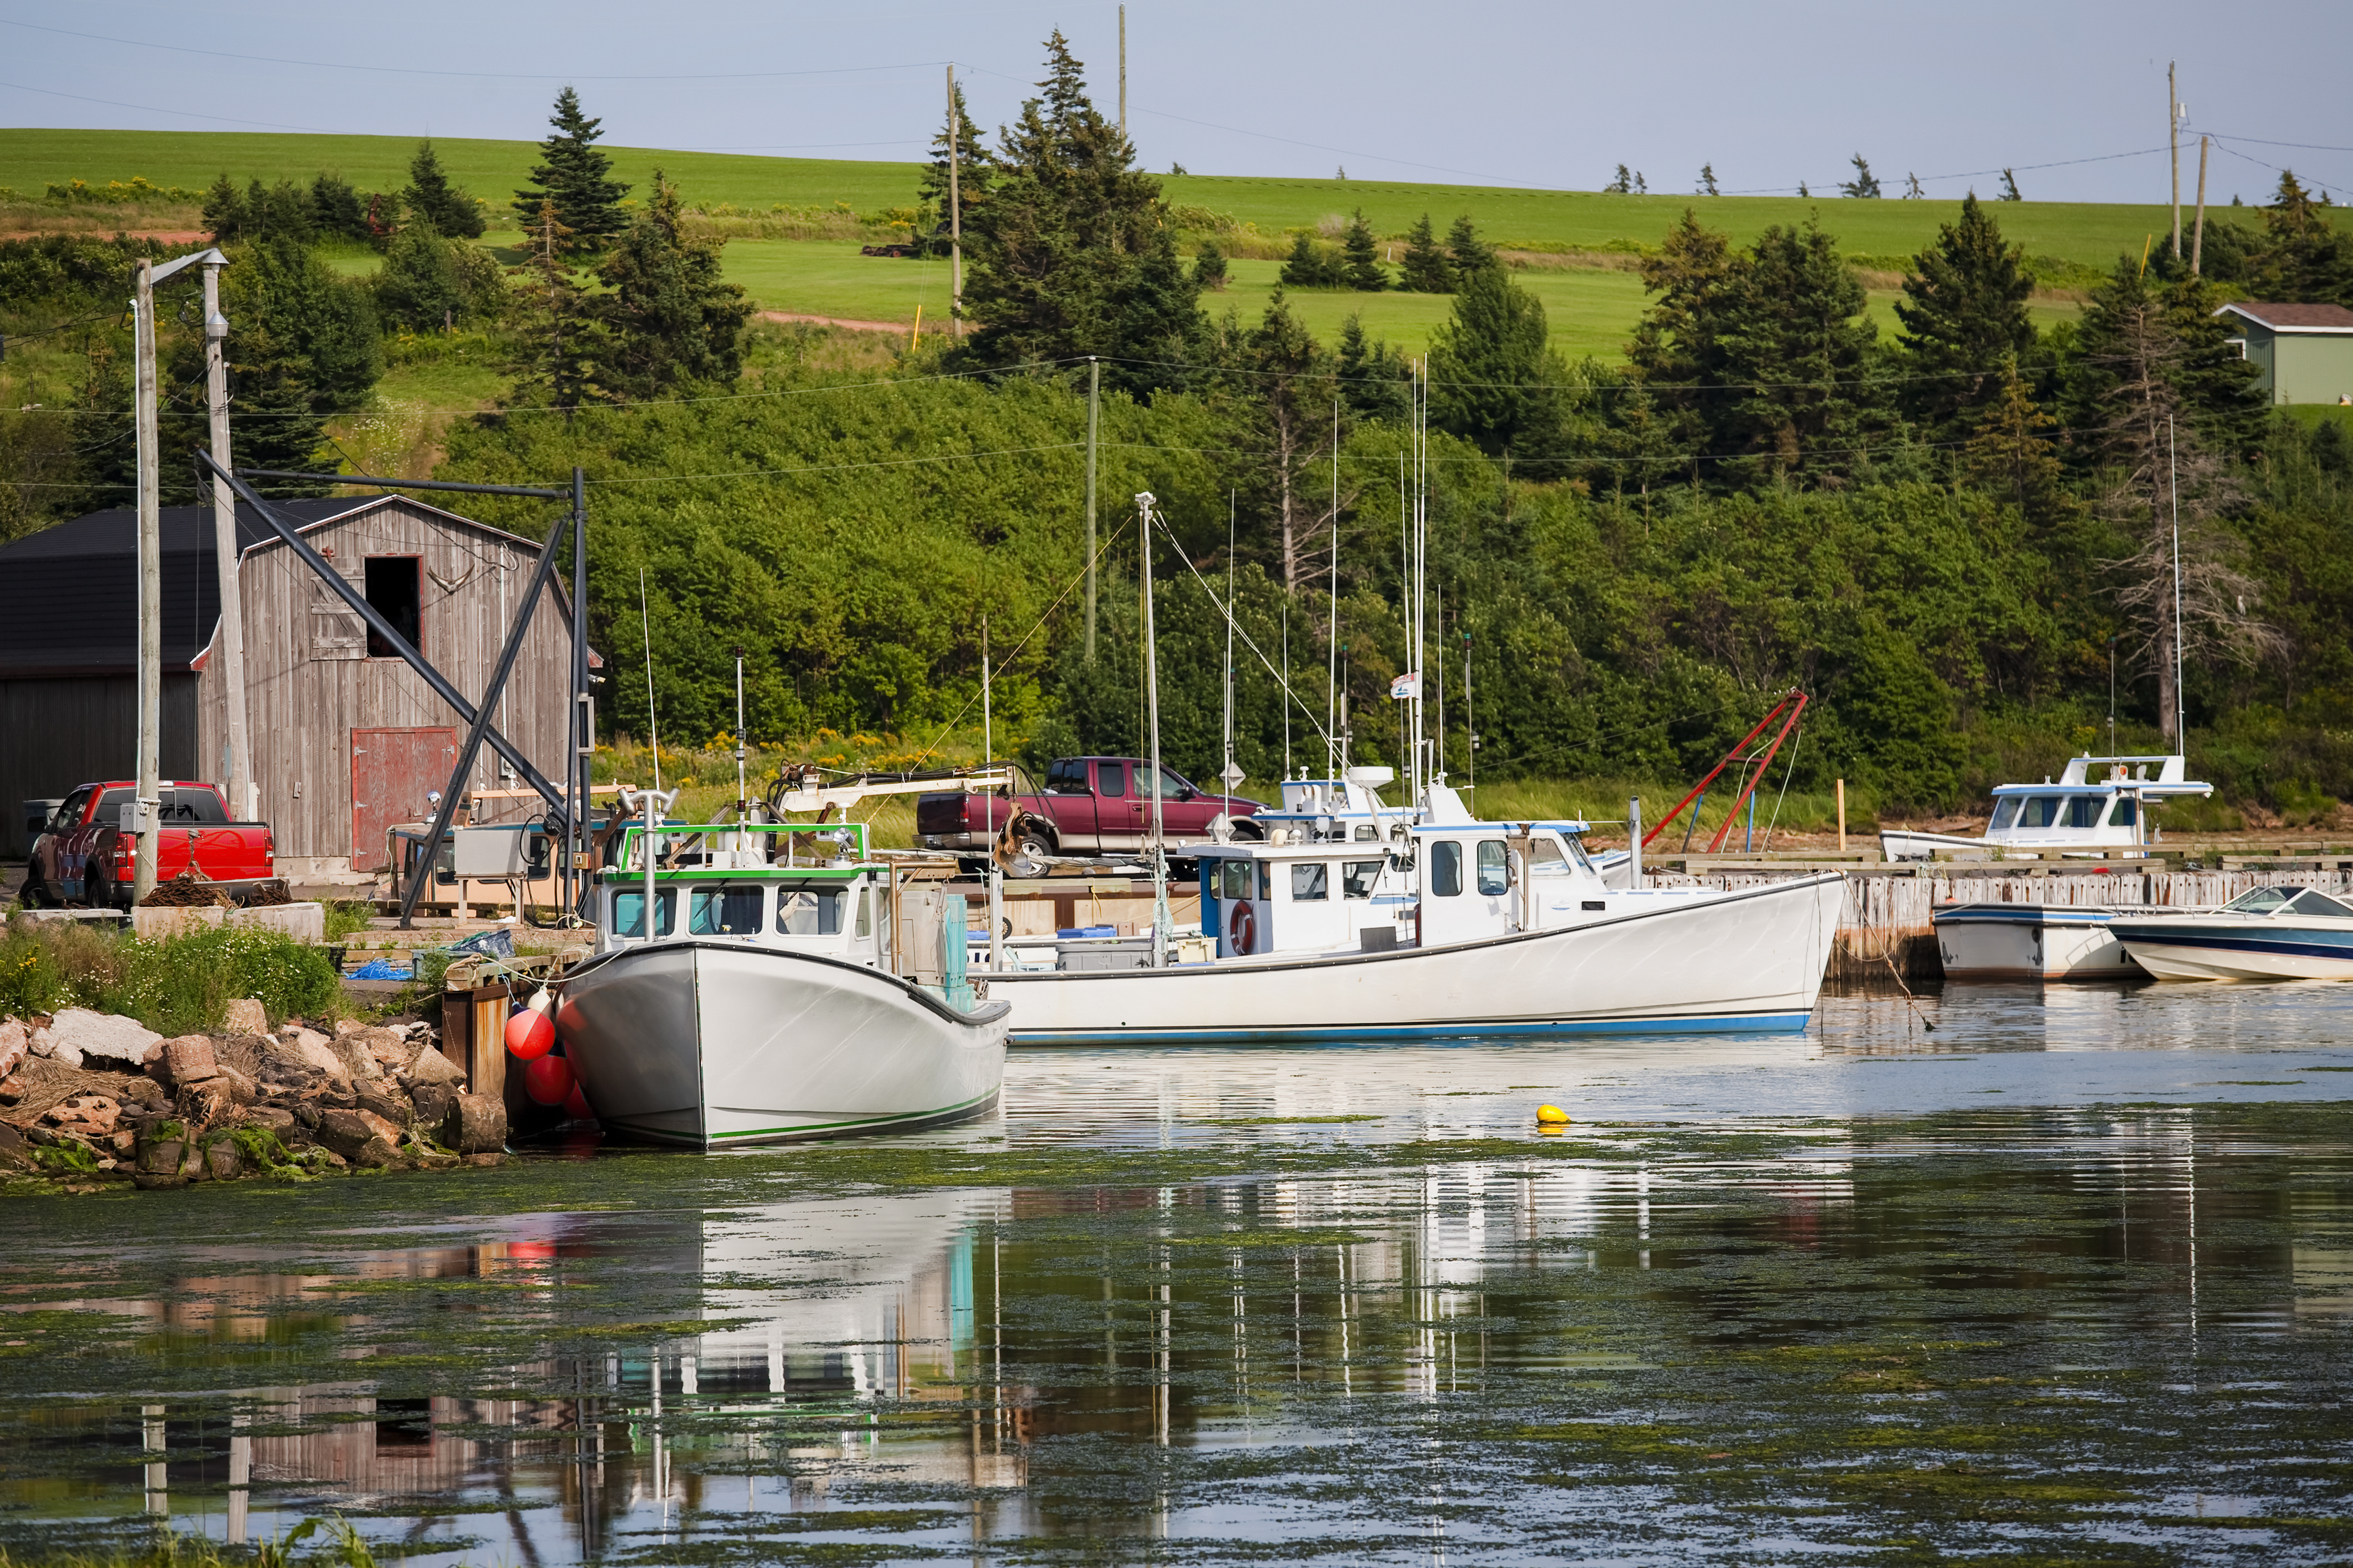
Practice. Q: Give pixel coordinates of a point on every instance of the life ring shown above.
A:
(1242, 930)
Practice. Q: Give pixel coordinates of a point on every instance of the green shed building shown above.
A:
(2306, 351)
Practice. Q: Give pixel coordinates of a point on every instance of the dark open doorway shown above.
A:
(396, 589)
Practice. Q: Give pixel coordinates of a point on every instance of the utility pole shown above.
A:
(2198, 235)
(1122, 72)
(2173, 136)
(151, 583)
(956, 218)
(1094, 410)
(240, 786)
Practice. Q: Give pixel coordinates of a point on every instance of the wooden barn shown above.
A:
(347, 739)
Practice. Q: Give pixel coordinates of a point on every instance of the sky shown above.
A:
(2071, 94)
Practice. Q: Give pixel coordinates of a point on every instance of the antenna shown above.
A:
(653, 730)
(1227, 777)
(743, 806)
(1332, 640)
(2173, 477)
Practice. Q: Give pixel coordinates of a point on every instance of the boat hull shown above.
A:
(2252, 950)
(1751, 962)
(716, 1045)
(2030, 942)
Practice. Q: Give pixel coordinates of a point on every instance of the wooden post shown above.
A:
(488, 1005)
(2197, 235)
(238, 783)
(1842, 815)
(151, 583)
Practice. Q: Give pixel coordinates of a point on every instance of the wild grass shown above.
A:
(176, 985)
(337, 1545)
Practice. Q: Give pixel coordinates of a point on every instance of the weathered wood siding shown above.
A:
(308, 688)
(60, 732)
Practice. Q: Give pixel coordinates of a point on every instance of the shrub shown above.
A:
(178, 985)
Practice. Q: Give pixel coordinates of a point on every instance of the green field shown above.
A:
(2085, 232)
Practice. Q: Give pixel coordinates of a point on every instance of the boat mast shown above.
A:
(2173, 477)
(1332, 639)
(1226, 779)
(743, 802)
(1161, 924)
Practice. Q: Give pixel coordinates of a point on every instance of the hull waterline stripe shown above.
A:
(1750, 1023)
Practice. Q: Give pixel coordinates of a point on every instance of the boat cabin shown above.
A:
(798, 885)
(2098, 802)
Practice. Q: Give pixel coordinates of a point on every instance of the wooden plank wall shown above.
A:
(303, 707)
(60, 732)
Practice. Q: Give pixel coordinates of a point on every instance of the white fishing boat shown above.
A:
(2037, 941)
(2099, 808)
(769, 1012)
(2278, 933)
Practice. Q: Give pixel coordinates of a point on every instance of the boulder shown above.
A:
(480, 1125)
(105, 1036)
(359, 1063)
(390, 1049)
(44, 1043)
(15, 1043)
(222, 1161)
(163, 1156)
(241, 1089)
(431, 1066)
(278, 1118)
(357, 1135)
(385, 1100)
(309, 1048)
(245, 1016)
(435, 1102)
(206, 1104)
(485, 1160)
(188, 1060)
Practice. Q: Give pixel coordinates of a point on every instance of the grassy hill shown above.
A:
(1571, 238)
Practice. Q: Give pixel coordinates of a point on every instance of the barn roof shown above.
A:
(71, 600)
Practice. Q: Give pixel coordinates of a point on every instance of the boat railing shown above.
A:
(740, 846)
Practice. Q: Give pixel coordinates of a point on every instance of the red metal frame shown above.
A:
(1787, 710)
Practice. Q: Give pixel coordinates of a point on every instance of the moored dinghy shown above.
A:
(773, 1017)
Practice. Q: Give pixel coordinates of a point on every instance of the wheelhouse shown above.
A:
(788, 885)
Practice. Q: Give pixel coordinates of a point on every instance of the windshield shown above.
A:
(2261, 901)
(2005, 813)
(2311, 903)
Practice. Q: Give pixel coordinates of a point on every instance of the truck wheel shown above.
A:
(1031, 853)
(34, 893)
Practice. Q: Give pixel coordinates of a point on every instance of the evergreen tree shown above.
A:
(336, 210)
(1310, 267)
(1374, 380)
(558, 347)
(1362, 255)
(1798, 360)
(224, 212)
(1287, 388)
(429, 283)
(1864, 185)
(2012, 450)
(975, 172)
(2009, 188)
(1465, 252)
(2304, 257)
(2137, 326)
(1071, 255)
(454, 214)
(1707, 179)
(1209, 268)
(1622, 185)
(1423, 269)
(670, 317)
(1964, 315)
(576, 177)
(1493, 378)
(1676, 351)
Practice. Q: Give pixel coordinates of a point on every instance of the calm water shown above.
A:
(2067, 1278)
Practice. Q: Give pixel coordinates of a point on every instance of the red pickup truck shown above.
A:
(1091, 806)
(85, 858)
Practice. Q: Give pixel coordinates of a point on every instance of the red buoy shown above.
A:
(548, 1081)
(576, 1105)
(529, 1034)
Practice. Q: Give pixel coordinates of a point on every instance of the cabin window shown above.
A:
(2004, 814)
(1358, 878)
(396, 590)
(1368, 833)
(2126, 810)
(2084, 811)
(809, 912)
(1544, 859)
(629, 912)
(1111, 779)
(1445, 869)
(1233, 878)
(723, 912)
(865, 912)
(1311, 882)
(2260, 901)
(2041, 811)
(1495, 876)
(2311, 903)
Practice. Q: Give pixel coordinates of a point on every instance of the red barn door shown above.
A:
(392, 772)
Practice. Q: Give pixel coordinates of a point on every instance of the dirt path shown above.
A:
(835, 322)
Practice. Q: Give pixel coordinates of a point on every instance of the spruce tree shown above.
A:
(1707, 179)
(1622, 185)
(1964, 315)
(670, 317)
(1864, 185)
(1209, 268)
(2012, 449)
(557, 346)
(337, 211)
(2304, 257)
(1423, 269)
(224, 214)
(1374, 380)
(453, 214)
(1362, 256)
(1307, 267)
(1798, 360)
(1287, 389)
(1071, 255)
(1677, 350)
(974, 170)
(1493, 378)
(1465, 252)
(576, 177)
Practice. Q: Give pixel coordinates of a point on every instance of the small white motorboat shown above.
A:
(2038, 941)
(770, 1014)
(2279, 932)
(2100, 807)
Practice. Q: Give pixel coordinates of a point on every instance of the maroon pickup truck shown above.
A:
(84, 857)
(1091, 806)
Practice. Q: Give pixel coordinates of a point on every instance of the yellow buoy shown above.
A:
(1551, 1115)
